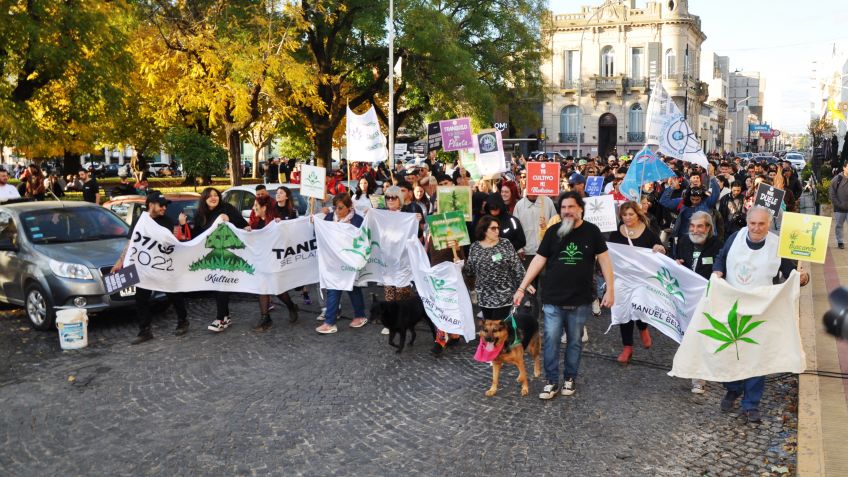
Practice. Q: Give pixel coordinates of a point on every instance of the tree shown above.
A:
(451, 53)
(200, 155)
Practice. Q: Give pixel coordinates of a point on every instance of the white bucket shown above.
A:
(73, 328)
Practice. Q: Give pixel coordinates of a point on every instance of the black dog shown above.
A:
(399, 317)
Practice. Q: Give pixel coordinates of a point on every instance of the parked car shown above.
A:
(128, 207)
(111, 170)
(54, 255)
(159, 169)
(796, 159)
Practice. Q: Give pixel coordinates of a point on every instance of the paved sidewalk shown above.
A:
(823, 401)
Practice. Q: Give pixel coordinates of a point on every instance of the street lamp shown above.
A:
(736, 108)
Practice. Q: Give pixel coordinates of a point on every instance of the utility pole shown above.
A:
(686, 85)
(391, 84)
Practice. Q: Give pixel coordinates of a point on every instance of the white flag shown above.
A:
(365, 140)
(388, 232)
(280, 257)
(741, 333)
(442, 291)
(668, 128)
(343, 250)
(654, 289)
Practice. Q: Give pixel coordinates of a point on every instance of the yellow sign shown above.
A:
(804, 237)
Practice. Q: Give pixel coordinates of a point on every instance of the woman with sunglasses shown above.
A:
(394, 203)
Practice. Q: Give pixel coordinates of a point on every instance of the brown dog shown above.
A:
(499, 332)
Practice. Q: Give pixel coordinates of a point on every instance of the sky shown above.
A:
(778, 38)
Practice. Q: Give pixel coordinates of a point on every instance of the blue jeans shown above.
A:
(750, 389)
(839, 217)
(333, 299)
(573, 320)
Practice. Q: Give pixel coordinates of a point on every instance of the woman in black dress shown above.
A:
(634, 231)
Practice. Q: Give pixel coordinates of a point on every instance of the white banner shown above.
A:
(343, 250)
(667, 128)
(488, 149)
(365, 140)
(313, 182)
(443, 292)
(388, 232)
(742, 333)
(600, 210)
(280, 257)
(654, 289)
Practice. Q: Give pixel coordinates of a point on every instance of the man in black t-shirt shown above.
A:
(567, 254)
(90, 188)
(156, 205)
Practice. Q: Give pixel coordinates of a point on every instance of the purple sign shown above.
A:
(456, 134)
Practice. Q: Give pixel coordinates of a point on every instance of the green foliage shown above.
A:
(806, 172)
(733, 332)
(823, 190)
(200, 155)
(294, 146)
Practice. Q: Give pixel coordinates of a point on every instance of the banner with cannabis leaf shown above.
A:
(654, 289)
(741, 333)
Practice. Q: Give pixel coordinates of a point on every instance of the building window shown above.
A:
(568, 124)
(570, 66)
(636, 63)
(636, 124)
(607, 61)
(670, 63)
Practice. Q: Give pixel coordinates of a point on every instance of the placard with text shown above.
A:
(769, 197)
(543, 178)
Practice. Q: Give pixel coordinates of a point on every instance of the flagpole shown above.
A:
(391, 85)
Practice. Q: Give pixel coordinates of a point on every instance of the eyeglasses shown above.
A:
(494, 227)
(392, 197)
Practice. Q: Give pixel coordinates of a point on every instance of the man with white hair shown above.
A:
(749, 259)
(697, 251)
(567, 254)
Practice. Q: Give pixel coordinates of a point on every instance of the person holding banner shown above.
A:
(395, 202)
(156, 205)
(567, 254)
(209, 208)
(362, 198)
(749, 259)
(343, 212)
(634, 230)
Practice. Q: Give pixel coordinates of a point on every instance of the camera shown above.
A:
(835, 318)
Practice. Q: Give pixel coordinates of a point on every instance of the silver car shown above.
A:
(54, 255)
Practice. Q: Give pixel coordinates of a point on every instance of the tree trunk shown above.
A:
(234, 155)
(254, 173)
(71, 163)
(324, 149)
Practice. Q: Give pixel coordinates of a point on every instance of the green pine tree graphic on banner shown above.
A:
(221, 241)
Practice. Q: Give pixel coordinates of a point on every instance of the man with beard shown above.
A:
(731, 207)
(567, 254)
(697, 251)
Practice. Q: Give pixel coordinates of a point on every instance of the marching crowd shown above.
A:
(705, 219)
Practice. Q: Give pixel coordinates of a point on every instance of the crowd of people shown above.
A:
(704, 218)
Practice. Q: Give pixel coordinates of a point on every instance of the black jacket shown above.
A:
(223, 208)
(709, 251)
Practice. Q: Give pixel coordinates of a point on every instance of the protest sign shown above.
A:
(594, 186)
(446, 227)
(456, 134)
(121, 280)
(454, 198)
(488, 147)
(769, 197)
(434, 137)
(365, 139)
(469, 163)
(804, 237)
(600, 211)
(378, 201)
(543, 178)
(314, 181)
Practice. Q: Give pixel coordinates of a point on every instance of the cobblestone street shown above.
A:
(292, 402)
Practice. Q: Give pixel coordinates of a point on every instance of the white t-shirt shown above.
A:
(8, 192)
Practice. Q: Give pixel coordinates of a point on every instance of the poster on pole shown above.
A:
(594, 186)
(313, 182)
(543, 178)
(600, 211)
(365, 139)
(454, 198)
(488, 146)
(434, 137)
(769, 197)
(804, 237)
(446, 227)
(456, 134)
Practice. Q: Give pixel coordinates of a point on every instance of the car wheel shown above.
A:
(39, 308)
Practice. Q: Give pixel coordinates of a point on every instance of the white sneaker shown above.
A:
(220, 325)
(564, 338)
(568, 387)
(596, 307)
(321, 316)
(585, 338)
(698, 386)
(384, 331)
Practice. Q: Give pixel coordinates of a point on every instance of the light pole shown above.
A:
(736, 109)
(580, 75)
(391, 85)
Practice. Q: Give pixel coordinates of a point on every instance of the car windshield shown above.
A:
(65, 225)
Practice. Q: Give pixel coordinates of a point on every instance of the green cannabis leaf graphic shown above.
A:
(734, 332)
(312, 178)
(671, 285)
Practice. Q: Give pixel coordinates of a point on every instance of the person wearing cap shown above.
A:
(156, 206)
(577, 183)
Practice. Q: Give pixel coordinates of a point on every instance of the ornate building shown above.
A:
(603, 63)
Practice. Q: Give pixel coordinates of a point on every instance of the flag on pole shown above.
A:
(365, 140)
(668, 129)
(742, 333)
(646, 167)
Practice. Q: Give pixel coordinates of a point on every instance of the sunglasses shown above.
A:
(392, 197)
(494, 227)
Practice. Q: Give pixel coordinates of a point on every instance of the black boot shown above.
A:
(143, 335)
(264, 323)
(182, 327)
(293, 309)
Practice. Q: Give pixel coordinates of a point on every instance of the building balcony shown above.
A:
(569, 138)
(569, 85)
(636, 137)
(606, 84)
(636, 83)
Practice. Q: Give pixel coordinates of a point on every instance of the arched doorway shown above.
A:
(607, 134)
